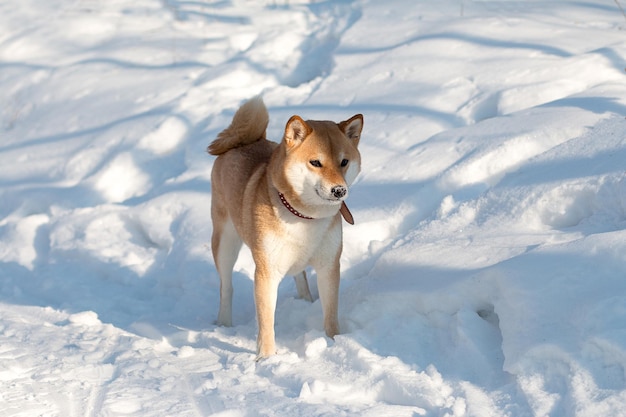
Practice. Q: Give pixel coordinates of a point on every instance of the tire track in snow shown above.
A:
(202, 406)
(99, 392)
(317, 49)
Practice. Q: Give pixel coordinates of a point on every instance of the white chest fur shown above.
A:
(294, 245)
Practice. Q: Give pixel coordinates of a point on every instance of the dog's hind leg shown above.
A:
(302, 286)
(226, 244)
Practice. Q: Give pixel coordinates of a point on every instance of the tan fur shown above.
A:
(248, 176)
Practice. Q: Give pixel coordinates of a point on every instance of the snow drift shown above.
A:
(486, 272)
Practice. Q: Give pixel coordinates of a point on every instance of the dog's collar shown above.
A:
(291, 209)
(345, 212)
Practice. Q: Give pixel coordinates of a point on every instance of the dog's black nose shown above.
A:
(338, 191)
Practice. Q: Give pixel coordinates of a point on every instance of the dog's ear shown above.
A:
(296, 131)
(352, 127)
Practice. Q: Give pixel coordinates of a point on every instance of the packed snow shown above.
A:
(486, 271)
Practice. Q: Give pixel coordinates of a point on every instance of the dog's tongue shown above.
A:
(345, 212)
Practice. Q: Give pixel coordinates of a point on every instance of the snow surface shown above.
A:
(486, 272)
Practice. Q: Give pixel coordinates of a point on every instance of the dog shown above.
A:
(285, 202)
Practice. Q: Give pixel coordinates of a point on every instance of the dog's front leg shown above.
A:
(326, 264)
(265, 295)
(328, 285)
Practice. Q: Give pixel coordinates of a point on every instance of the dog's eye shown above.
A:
(316, 163)
(344, 162)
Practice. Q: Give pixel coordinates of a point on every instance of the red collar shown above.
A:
(290, 207)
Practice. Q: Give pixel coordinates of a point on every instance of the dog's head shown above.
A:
(322, 159)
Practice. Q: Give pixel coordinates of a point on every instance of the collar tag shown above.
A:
(345, 212)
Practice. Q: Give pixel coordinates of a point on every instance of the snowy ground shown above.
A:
(486, 272)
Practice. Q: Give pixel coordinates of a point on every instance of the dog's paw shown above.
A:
(265, 350)
(331, 329)
(261, 357)
(223, 323)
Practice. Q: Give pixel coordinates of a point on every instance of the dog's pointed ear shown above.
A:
(296, 131)
(353, 127)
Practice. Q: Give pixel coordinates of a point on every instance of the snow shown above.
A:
(486, 271)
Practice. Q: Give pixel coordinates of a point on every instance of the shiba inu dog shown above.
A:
(284, 201)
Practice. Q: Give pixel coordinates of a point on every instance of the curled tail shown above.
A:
(248, 126)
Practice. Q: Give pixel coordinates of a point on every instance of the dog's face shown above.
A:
(322, 158)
